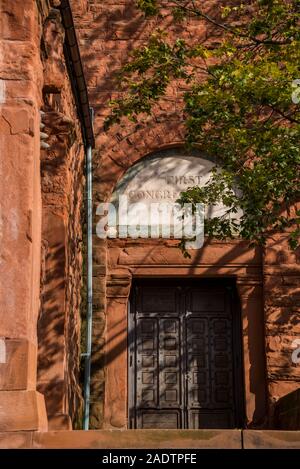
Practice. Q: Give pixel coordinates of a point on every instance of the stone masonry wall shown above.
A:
(40, 222)
(282, 314)
(21, 78)
(62, 184)
(108, 32)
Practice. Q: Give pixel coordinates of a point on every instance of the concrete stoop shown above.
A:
(156, 439)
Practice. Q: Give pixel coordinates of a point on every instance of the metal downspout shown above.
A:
(85, 114)
(89, 316)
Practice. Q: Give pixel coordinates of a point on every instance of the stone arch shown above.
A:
(114, 160)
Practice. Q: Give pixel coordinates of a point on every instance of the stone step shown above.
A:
(156, 439)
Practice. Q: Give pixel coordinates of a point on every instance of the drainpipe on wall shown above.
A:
(89, 316)
(85, 114)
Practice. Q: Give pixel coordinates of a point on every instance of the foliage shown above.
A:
(238, 107)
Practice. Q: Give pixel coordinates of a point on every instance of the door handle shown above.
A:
(188, 313)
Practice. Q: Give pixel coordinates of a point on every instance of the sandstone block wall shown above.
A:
(21, 78)
(41, 241)
(108, 32)
(62, 185)
(41, 238)
(282, 314)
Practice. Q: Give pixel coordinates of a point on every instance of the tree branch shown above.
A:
(285, 116)
(225, 27)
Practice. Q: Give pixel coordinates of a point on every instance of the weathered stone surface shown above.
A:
(278, 252)
(156, 439)
(99, 270)
(99, 285)
(271, 439)
(14, 24)
(62, 239)
(106, 31)
(282, 303)
(280, 349)
(210, 254)
(157, 182)
(117, 30)
(97, 408)
(285, 318)
(54, 392)
(100, 255)
(217, 439)
(22, 410)
(18, 366)
(118, 290)
(287, 411)
(15, 440)
(21, 407)
(115, 405)
(59, 422)
(99, 302)
(281, 387)
(20, 196)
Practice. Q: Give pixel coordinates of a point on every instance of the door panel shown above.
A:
(158, 419)
(158, 358)
(181, 356)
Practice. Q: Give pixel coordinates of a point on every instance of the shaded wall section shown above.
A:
(282, 313)
(62, 185)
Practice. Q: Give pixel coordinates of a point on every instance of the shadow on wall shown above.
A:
(274, 348)
(287, 411)
(108, 33)
(62, 181)
(118, 340)
(58, 328)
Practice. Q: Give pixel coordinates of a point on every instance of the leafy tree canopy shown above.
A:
(241, 105)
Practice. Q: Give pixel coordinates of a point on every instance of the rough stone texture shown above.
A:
(32, 225)
(98, 331)
(16, 440)
(18, 369)
(282, 306)
(287, 411)
(153, 439)
(20, 215)
(156, 439)
(22, 410)
(20, 198)
(62, 170)
(108, 32)
(271, 439)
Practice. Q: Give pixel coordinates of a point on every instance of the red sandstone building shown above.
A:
(202, 343)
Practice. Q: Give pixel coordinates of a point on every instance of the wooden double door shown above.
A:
(185, 360)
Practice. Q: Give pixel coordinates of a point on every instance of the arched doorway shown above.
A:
(220, 264)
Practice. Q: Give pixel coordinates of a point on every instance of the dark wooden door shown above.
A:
(184, 355)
